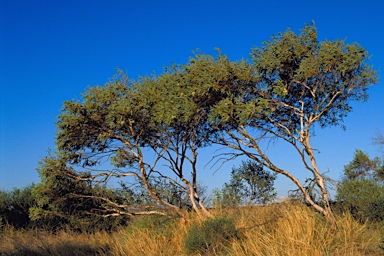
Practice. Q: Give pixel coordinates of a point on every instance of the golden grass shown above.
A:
(13, 242)
(297, 230)
(284, 229)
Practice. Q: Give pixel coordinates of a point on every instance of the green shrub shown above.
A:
(363, 198)
(375, 210)
(211, 235)
(15, 205)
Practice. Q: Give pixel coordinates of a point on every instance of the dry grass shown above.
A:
(285, 229)
(13, 242)
(297, 230)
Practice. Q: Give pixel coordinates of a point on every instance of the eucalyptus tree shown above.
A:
(295, 84)
(150, 129)
(185, 132)
(180, 98)
(108, 134)
(363, 167)
(65, 198)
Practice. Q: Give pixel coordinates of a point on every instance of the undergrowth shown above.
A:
(283, 229)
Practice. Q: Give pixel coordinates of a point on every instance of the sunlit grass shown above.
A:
(284, 229)
(14, 242)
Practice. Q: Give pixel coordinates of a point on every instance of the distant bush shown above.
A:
(375, 210)
(363, 198)
(361, 192)
(14, 207)
(210, 235)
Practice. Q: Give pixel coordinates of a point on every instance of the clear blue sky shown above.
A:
(50, 51)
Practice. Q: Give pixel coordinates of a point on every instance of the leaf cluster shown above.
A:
(295, 78)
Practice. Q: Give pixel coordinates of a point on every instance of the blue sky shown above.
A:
(51, 51)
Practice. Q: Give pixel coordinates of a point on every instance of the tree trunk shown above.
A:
(330, 218)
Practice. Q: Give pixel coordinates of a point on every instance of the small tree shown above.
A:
(363, 167)
(362, 192)
(249, 184)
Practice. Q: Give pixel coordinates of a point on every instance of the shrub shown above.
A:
(15, 205)
(363, 198)
(211, 235)
(375, 210)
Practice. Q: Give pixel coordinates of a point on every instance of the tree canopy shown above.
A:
(296, 83)
(363, 167)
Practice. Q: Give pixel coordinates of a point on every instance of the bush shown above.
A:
(363, 198)
(211, 235)
(15, 205)
(375, 210)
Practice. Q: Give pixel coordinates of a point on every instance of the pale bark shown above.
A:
(242, 141)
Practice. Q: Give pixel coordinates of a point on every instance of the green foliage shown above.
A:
(293, 82)
(364, 198)
(210, 236)
(64, 199)
(254, 182)
(293, 69)
(363, 166)
(226, 197)
(362, 192)
(250, 184)
(15, 205)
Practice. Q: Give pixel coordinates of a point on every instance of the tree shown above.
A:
(66, 198)
(184, 128)
(361, 192)
(363, 198)
(249, 184)
(122, 122)
(255, 183)
(296, 83)
(363, 167)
